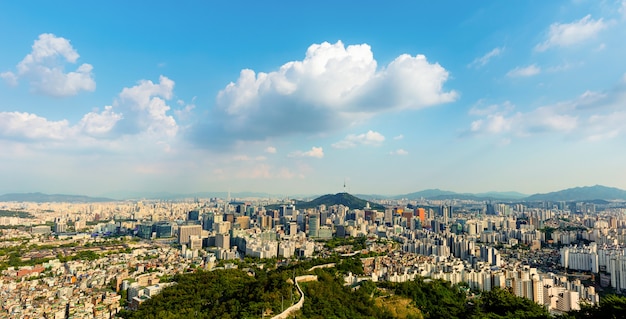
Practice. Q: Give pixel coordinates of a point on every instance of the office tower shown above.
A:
(221, 227)
(222, 241)
(323, 218)
(79, 224)
(229, 218)
(144, 230)
(208, 219)
(162, 229)
(195, 242)
(60, 226)
(289, 210)
(193, 215)
(185, 231)
(314, 225)
(421, 214)
(408, 215)
(293, 228)
(265, 222)
(243, 222)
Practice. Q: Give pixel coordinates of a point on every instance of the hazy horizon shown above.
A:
(296, 98)
(120, 195)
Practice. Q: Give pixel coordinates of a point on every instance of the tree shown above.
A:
(500, 303)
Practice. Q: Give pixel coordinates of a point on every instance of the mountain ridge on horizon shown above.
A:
(579, 193)
(39, 197)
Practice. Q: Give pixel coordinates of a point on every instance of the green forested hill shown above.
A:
(218, 294)
(328, 200)
(236, 294)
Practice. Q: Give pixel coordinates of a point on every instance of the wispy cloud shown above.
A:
(568, 34)
(352, 140)
(483, 60)
(526, 71)
(592, 116)
(399, 152)
(316, 152)
(246, 158)
(10, 78)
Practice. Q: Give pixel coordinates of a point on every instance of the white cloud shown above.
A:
(592, 116)
(483, 60)
(140, 110)
(568, 34)
(246, 158)
(479, 110)
(270, 150)
(185, 112)
(145, 109)
(26, 126)
(562, 67)
(241, 158)
(44, 68)
(352, 140)
(602, 127)
(399, 152)
(333, 86)
(261, 171)
(9, 77)
(493, 124)
(99, 124)
(316, 152)
(500, 119)
(265, 171)
(622, 9)
(399, 137)
(527, 71)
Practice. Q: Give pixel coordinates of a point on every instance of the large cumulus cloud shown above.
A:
(44, 68)
(140, 110)
(333, 86)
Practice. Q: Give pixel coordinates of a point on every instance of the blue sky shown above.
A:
(295, 98)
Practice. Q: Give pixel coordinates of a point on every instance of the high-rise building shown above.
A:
(221, 227)
(79, 224)
(195, 242)
(60, 226)
(408, 214)
(314, 225)
(162, 229)
(421, 214)
(144, 230)
(185, 231)
(222, 241)
(265, 222)
(229, 218)
(243, 222)
(293, 228)
(208, 219)
(193, 215)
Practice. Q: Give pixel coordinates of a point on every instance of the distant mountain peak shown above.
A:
(39, 197)
(581, 193)
(344, 199)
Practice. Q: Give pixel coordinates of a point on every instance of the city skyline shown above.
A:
(299, 98)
